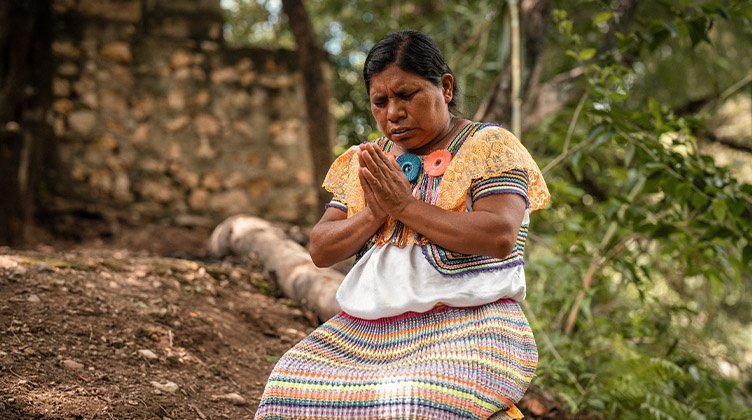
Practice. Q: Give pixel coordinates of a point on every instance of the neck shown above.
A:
(443, 139)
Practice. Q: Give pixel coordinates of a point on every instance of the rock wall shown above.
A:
(153, 113)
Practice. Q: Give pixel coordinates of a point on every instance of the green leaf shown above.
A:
(602, 17)
(698, 31)
(719, 210)
(629, 154)
(587, 54)
(747, 255)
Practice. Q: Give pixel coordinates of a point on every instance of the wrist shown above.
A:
(373, 217)
(404, 208)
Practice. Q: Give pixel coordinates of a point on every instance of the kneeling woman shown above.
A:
(437, 213)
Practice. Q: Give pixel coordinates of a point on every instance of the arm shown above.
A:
(336, 237)
(490, 229)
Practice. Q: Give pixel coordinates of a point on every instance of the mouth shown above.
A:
(399, 132)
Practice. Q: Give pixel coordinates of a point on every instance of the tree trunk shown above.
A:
(542, 99)
(285, 262)
(25, 98)
(317, 90)
(535, 18)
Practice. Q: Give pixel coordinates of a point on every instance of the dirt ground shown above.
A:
(138, 323)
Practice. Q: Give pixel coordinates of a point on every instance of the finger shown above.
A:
(385, 166)
(371, 163)
(361, 162)
(381, 156)
(373, 183)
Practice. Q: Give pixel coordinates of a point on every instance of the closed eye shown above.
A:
(379, 101)
(407, 96)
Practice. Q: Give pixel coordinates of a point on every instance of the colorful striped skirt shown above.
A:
(448, 363)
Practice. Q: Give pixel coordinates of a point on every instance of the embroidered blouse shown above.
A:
(398, 270)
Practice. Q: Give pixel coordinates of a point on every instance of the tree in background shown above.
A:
(317, 91)
(25, 101)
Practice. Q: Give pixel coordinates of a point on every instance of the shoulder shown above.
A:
(487, 139)
(493, 133)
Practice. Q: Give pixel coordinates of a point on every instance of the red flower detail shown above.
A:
(437, 162)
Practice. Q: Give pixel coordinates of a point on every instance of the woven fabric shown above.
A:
(513, 181)
(483, 151)
(456, 264)
(448, 363)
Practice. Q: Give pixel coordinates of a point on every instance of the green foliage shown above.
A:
(666, 230)
(660, 235)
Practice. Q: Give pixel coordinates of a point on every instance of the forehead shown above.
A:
(392, 78)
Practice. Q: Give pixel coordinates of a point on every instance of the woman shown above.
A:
(437, 213)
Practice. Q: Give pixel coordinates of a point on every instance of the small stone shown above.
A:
(72, 365)
(111, 101)
(118, 51)
(206, 125)
(177, 123)
(62, 106)
(176, 99)
(33, 299)
(198, 199)
(143, 108)
(232, 397)
(67, 69)
(6, 262)
(201, 98)
(65, 49)
(225, 75)
(140, 134)
(229, 202)
(61, 87)
(180, 58)
(147, 354)
(204, 150)
(168, 387)
(82, 122)
(212, 181)
(294, 332)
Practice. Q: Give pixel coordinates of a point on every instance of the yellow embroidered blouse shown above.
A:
(489, 152)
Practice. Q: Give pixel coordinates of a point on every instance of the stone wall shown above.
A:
(153, 113)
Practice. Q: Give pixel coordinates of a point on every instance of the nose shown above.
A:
(395, 111)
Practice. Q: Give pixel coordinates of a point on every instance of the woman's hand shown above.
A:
(371, 201)
(384, 185)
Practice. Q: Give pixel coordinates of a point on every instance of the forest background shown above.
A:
(639, 272)
(639, 115)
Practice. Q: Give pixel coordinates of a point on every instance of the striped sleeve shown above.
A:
(336, 204)
(513, 181)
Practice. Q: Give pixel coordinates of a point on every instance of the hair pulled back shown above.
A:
(411, 51)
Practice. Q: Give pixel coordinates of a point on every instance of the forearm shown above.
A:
(474, 233)
(332, 241)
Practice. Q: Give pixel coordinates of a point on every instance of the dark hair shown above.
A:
(411, 51)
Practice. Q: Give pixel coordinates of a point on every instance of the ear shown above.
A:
(447, 87)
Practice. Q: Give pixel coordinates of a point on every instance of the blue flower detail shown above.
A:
(411, 165)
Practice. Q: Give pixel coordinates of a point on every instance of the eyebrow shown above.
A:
(402, 90)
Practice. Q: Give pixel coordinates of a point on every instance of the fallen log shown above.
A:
(285, 262)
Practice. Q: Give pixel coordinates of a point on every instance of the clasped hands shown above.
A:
(386, 190)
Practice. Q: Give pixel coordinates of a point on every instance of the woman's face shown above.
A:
(410, 110)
